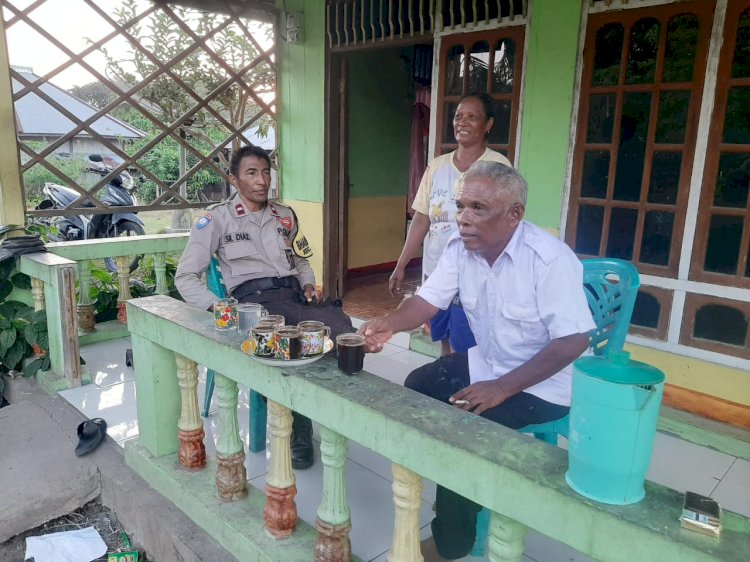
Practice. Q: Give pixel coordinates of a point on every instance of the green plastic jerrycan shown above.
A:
(613, 418)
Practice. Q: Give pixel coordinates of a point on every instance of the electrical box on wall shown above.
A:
(295, 29)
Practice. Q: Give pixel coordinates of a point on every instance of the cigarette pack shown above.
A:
(701, 514)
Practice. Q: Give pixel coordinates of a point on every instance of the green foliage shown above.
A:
(35, 177)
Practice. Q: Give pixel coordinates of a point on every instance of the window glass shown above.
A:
(657, 237)
(679, 57)
(673, 113)
(723, 250)
(665, 177)
(646, 311)
(631, 154)
(644, 45)
(454, 71)
(450, 111)
(737, 120)
(479, 67)
(589, 230)
(720, 323)
(503, 67)
(500, 132)
(595, 174)
(732, 180)
(607, 55)
(601, 118)
(621, 235)
(741, 61)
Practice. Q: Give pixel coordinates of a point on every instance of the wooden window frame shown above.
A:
(467, 40)
(715, 148)
(693, 302)
(664, 13)
(666, 299)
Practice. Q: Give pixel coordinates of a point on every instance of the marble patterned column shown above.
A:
(85, 308)
(231, 476)
(123, 282)
(192, 453)
(280, 511)
(407, 496)
(37, 293)
(506, 539)
(160, 271)
(333, 521)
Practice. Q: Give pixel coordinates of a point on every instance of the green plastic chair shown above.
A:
(258, 408)
(611, 286)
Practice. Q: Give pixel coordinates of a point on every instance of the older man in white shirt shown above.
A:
(522, 291)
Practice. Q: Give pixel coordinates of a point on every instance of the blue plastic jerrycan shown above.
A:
(613, 418)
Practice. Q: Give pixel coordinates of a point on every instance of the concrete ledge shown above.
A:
(238, 526)
(52, 383)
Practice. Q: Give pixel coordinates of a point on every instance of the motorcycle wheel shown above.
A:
(124, 228)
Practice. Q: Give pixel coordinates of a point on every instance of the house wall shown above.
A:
(379, 130)
(301, 124)
(548, 91)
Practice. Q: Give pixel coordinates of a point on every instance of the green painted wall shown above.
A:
(548, 104)
(380, 100)
(301, 89)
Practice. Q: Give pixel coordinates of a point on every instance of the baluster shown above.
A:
(333, 523)
(506, 539)
(123, 279)
(192, 453)
(231, 477)
(86, 320)
(407, 495)
(280, 511)
(37, 292)
(160, 269)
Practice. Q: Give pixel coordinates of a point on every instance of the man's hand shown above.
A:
(309, 292)
(479, 397)
(377, 332)
(394, 282)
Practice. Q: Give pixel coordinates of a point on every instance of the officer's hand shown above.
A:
(394, 282)
(377, 332)
(310, 294)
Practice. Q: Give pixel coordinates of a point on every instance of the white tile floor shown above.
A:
(675, 463)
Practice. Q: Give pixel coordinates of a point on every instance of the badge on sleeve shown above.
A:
(301, 246)
(203, 221)
(286, 222)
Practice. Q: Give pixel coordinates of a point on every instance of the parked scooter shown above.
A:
(119, 193)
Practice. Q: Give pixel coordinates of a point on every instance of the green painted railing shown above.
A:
(519, 479)
(72, 322)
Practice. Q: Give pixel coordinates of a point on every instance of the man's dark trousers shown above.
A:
(454, 525)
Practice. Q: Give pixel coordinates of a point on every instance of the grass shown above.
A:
(157, 221)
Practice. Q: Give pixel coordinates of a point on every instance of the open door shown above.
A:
(336, 178)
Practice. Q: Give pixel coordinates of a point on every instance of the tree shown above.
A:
(93, 93)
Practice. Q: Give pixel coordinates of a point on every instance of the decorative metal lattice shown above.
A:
(170, 92)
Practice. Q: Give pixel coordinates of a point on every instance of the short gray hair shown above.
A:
(507, 178)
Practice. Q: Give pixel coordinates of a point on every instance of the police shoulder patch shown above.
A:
(203, 221)
(301, 246)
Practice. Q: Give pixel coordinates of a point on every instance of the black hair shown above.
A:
(249, 150)
(488, 104)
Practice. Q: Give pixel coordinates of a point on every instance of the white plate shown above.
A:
(293, 362)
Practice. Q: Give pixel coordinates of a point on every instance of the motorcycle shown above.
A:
(119, 193)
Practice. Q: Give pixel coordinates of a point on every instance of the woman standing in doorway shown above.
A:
(435, 211)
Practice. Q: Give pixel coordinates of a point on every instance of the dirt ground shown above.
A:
(92, 514)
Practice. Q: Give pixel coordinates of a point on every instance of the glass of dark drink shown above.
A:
(351, 352)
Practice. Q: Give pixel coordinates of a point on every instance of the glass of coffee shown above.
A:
(351, 352)
(288, 343)
(275, 320)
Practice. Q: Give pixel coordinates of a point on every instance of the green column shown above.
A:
(549, 80)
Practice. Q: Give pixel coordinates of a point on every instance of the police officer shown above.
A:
(263, 258)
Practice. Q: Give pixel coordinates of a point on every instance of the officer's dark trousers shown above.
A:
(454, 526)
(290, 304)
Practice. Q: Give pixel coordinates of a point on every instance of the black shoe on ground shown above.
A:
(303, 454)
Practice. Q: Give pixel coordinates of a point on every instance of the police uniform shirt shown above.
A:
(248, 246)
(532, 294)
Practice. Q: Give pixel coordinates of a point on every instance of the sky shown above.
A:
(71, 22)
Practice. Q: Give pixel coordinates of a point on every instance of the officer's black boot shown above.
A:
(302, 442)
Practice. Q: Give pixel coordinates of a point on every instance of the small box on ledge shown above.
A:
(701, 514)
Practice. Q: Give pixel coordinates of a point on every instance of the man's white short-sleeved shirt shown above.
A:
(532, 294)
